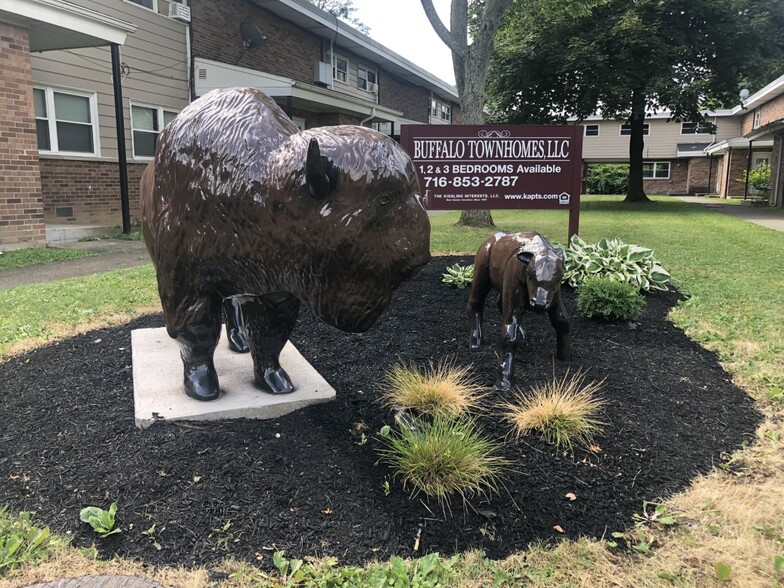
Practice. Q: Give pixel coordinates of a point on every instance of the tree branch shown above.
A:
(441, 30)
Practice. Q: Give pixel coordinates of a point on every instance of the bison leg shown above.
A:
(197, 340)
(560, 321)
(475, 309)
(235, 326)
(269, 320)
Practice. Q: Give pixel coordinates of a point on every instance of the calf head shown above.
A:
(544, 269)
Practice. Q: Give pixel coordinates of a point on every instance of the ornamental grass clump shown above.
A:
(441, 389)
(444, 457)
(566, 411)
(602, 298)
(616, 260)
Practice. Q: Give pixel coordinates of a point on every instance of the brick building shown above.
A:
(59, 150)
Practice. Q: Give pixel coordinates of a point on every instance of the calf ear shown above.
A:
(320, 174)
(525, 257)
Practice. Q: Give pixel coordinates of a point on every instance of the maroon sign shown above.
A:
(501, 166)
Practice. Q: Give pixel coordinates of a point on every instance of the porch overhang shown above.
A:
(736, 143)
(58, 24)
(214, 74)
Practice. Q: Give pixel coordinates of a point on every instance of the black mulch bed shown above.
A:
(303, 484)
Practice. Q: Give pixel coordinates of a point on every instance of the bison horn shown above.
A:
(525, 257)
(320, 174)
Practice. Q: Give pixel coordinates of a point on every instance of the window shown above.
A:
(696, 128)
(591, 130)
(149, 4)
(656, 170)
(440, 110)
(367, 79)
(146, 123)
(757, 118)
(65, 121)
(626, 129)
(340, 69)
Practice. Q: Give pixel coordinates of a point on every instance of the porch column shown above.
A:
(119, 122)
(21, 202)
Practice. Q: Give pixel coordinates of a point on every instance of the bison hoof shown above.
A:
(276, 381)
(201, 382)
(238, 342)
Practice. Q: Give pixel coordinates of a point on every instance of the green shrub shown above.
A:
(616, 260)
(458, 276)
(442, 457)
(608, 178)
(602, 297)
(758, 178)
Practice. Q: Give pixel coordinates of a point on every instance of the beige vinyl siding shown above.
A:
(660, 143)
(158, 46)
(351, 87)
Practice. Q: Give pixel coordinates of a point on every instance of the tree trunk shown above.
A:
(481, 219)
(635, 191)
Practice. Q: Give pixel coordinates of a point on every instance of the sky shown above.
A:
(402, 26)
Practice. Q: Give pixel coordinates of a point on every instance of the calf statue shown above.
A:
(527, 272)
(239, 205)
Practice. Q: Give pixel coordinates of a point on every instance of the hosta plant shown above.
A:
(601, 298)
(615, 260)
(458, 276)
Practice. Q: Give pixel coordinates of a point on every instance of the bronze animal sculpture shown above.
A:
(239, 204)
(527, 273)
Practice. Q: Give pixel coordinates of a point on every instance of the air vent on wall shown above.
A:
(179, 12)
(202, 73)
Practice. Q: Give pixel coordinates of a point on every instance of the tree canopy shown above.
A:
(623, 58)
(344, 10)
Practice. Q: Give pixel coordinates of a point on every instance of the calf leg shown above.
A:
(235, 326)
(509, 340)
(475, 309)
(269, 321)
(560, 321)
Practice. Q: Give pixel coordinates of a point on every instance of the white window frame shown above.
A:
(655, 165)
(699, 128)
(598, 131)
(439, 108)
(159, 110)
(366, 69)
(153, 9)
(52, 122)
(646, 129)
(757, 120)
(335, 70)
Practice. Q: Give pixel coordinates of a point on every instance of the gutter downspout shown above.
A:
(371, 117)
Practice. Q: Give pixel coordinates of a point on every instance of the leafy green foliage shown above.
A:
(608, 178)
(22, 542)
(601, 297)
(442, 457)
(758, 178)
(102, 521)
(723, 571)
(29, 257)
(617, 261)
(344, 10)
(458, 276)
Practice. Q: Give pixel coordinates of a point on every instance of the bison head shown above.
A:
(352, 199)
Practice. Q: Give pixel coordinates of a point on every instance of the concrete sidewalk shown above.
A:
(772, 218)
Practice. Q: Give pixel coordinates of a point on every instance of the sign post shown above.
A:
(498, 166)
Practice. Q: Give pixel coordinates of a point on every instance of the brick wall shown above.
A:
(698, 175)
(738, 161)
(87, 192)
(21, 207)
(769, 112)
(677, 182)
(289, 51)
(413, 101)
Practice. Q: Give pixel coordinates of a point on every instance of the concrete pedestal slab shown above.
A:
(158, 392)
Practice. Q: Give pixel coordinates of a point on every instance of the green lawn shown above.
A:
(28, 257)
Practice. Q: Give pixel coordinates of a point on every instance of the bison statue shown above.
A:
(239, 204)
(527, 273)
